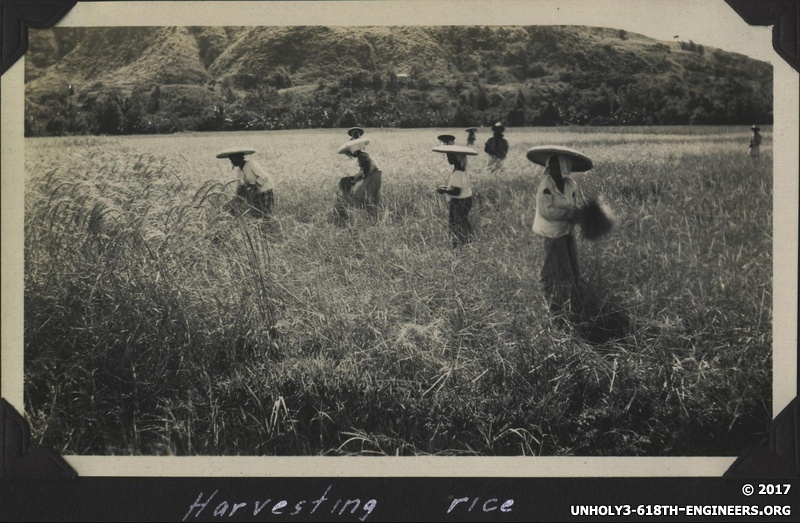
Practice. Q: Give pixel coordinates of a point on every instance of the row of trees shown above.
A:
(154, 110)
(584, 97)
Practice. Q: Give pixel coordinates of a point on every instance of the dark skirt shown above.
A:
(460, 228)
(560, 276)
(258, 204)
(264, 202)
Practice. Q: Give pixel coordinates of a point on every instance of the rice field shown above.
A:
(156, 323)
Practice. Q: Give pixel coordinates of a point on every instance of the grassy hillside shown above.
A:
(313, 54)
(301, 77)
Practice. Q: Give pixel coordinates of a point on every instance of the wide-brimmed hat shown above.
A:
(356, 144)
(230, 151)
(355, 132)
(455, 149)
(498, 127)
(447, 139)
(540, 154)
(756, 128)
(472, 130)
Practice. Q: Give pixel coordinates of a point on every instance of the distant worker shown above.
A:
(755, 142)
(471, 136)
(447, 139)
(355, 133)
(369, 178)
(255, 187)
(458, 193)
(497, 148)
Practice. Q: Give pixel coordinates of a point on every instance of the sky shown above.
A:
(715, 26)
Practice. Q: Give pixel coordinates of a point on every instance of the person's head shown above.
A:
(447, 139)
(458, 161)
(355, 133)
(456, 155)
(560, 159)
(554, 167)
(235, 155)
(237, 159)
(558, 166)
(756, 129)
(498, 128)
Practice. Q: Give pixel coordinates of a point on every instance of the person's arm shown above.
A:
(241, 188)
(489, 146)
(241, 182)
(258, 174)
(554, 206)
(454, 189)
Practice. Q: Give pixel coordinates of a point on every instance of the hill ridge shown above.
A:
(165, 79)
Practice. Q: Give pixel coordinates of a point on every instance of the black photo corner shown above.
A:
(38, 484)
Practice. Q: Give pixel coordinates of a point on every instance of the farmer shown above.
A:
(557, 213)
(458, 192)
(497, 148)
(368, 192)
(447, 139)
(254, 186)
(755, 142)
(471, 136)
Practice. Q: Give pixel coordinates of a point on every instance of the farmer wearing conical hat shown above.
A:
(368, 192)
(458, 192)
(355, 133)
(254, 186)
(557, 213)
(497, 148)
(755, 142)
(447, 139)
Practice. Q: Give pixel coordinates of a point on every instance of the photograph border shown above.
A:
(407, 467)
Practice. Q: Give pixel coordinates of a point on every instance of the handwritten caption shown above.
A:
(488, 505)
(220, 507)
(215, 505)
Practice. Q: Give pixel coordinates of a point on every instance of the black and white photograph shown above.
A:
(527, 230)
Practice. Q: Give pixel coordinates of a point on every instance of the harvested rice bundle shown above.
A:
(596, 219)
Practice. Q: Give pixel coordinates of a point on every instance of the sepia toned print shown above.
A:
(158, 322)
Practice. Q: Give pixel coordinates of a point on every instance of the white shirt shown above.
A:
(253, 174)
(461, 180)
(553, 208)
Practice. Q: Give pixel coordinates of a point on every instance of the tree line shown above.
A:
(542, 81)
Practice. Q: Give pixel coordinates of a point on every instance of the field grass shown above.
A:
(157, 323)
